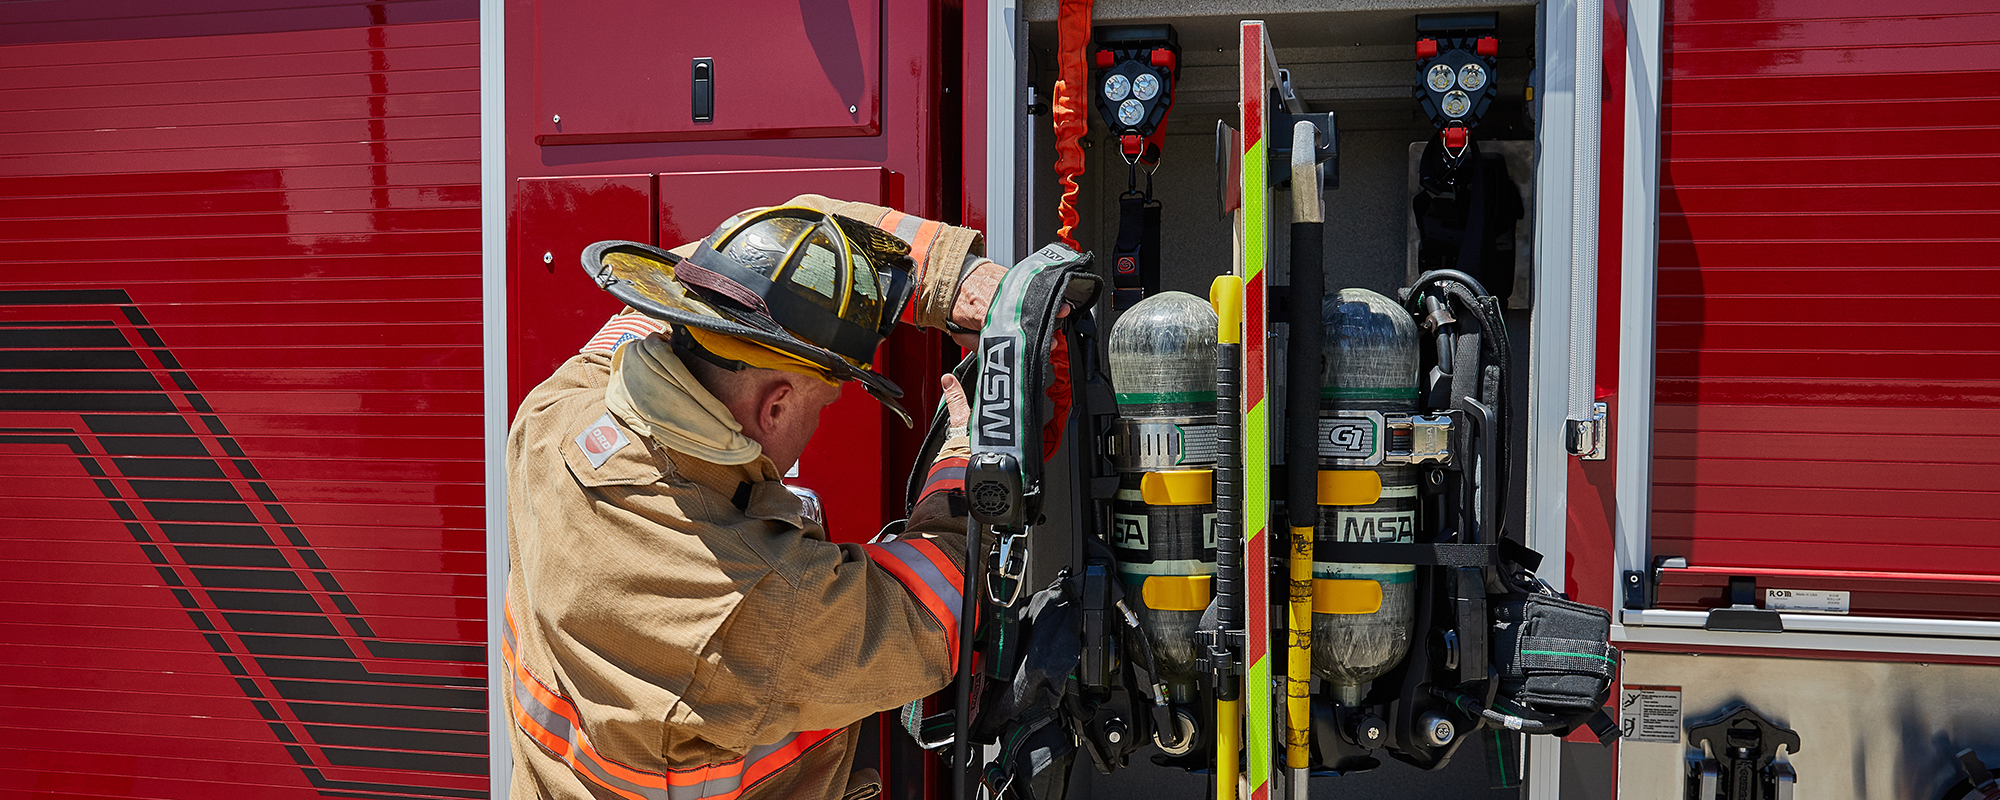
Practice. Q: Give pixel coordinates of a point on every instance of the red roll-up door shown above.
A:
(241, 522)
(1829, 357)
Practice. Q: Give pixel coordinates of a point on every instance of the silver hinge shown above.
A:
(1586, 438)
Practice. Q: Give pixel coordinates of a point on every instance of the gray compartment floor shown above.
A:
(1465, 778)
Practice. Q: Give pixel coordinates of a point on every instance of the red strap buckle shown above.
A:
(1103, 59)
(1132, 144)
(1454, 138)
(1427, 48)
(1487, 46)
(1163, 58)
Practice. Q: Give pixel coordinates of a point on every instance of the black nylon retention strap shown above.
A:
(1129, 255)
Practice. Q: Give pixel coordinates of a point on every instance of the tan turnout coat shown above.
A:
(677, 630)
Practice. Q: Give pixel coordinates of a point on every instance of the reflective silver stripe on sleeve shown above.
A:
(933, 579)
(906, 228)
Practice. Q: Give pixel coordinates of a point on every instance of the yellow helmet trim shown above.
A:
(756, 354)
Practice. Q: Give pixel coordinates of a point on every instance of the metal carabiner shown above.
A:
(1008, 564)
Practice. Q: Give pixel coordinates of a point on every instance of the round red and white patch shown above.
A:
(600, 440)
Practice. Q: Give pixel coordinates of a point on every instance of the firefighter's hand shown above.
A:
(957, 444)
(975, 295)
(955, 405)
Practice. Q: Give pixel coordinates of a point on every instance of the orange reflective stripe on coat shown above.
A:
(906, 227)
(917, 232)
(947, 475)
(551, 720)
(929, 575)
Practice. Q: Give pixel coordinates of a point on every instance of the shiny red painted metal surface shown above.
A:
(553, 307)
(624, 72)
(240, 478)
(1828, 379)
(691, 204)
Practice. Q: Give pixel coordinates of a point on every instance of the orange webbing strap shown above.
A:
(1072, 89)
(552, 721)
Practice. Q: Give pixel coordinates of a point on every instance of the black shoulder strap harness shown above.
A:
(1039, 677)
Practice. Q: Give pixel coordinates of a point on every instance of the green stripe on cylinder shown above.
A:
(1369, 393)
(1137, 398)
(1561, 653)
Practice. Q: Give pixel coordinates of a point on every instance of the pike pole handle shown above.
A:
(1226, 295)
(1305, 349)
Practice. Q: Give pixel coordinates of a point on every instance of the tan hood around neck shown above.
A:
(653, 393)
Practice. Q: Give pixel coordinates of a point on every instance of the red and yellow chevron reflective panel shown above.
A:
(924, 569)
(551, 720)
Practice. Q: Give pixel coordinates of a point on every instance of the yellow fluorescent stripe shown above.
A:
(1346, 596)
(1257, 722)
(1256, 492)
(1177, 592)
(1349, 487)
(1190, 487)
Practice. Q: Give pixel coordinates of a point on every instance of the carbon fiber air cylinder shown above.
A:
(1162, 359)
(1362, 613)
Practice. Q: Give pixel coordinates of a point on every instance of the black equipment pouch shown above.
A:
(1030, 715)
(1553, 655)
(1552, 660)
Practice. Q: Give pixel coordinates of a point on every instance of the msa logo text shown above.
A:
(1378, 527)
(1129, 531)
(996, 392)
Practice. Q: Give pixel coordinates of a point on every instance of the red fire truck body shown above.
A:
(277, 273)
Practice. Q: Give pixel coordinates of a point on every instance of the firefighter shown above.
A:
(678, 626)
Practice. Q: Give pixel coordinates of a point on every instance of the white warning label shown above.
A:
(1801, 600)
(1650, 713)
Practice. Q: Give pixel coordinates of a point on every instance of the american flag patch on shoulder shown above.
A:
(622, 329)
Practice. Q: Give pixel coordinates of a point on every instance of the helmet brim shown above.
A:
(645, 281)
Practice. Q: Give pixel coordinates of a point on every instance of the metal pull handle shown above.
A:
(704, 90)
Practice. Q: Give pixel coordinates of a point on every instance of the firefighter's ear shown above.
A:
(785, 413)
(775, 402)
(788, 403)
